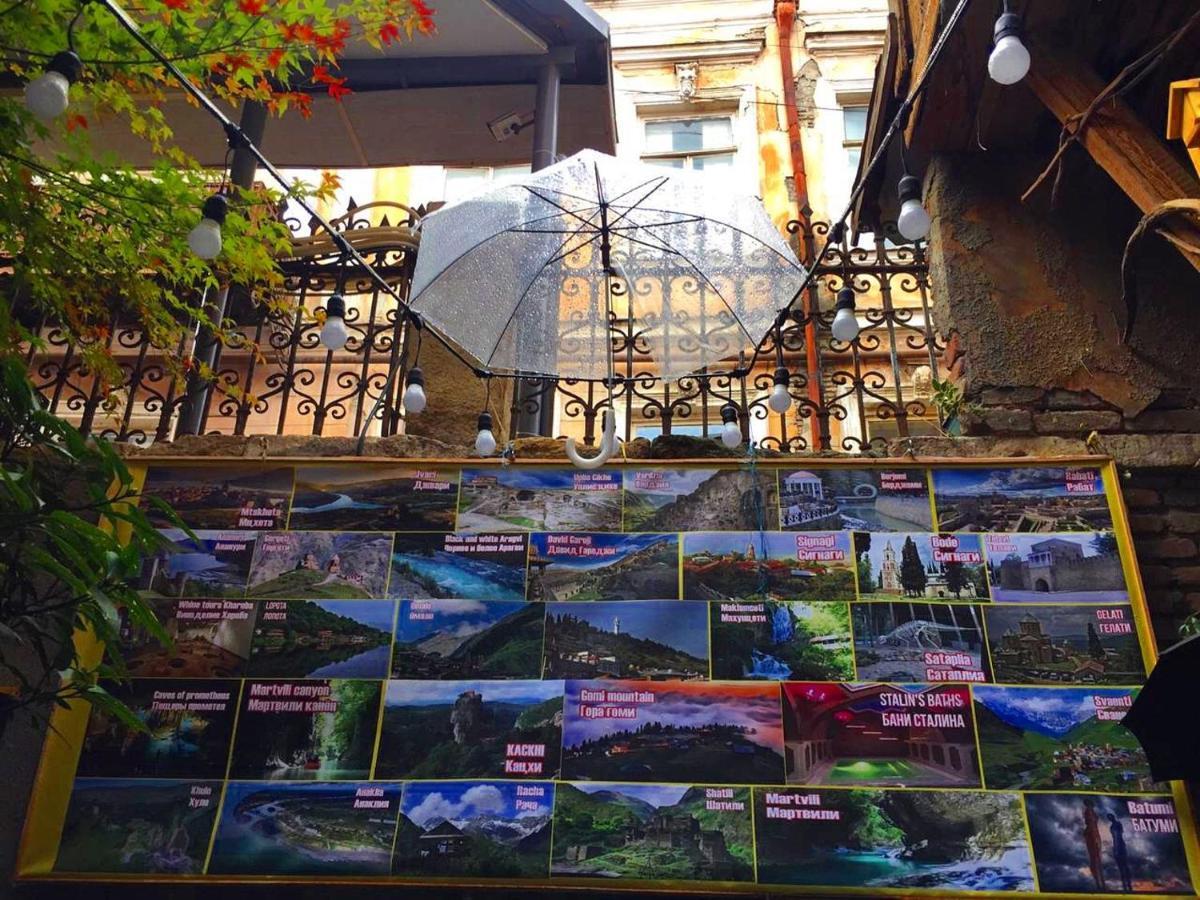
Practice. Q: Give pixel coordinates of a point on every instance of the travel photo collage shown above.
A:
(808, 677)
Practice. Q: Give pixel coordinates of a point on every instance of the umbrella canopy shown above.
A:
(1162, 717)
(518, 277)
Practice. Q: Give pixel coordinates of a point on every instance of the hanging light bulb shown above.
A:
(780, 400)
(1009, 60)
(731, 434)
(334, 333)
(414, 395)
(48, 94)
(205, 239)
(913, 222)
(485, 441)
(845, 323)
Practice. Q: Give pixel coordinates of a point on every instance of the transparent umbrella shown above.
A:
(521, 278)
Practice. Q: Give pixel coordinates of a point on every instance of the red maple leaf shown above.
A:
(274, 58)
(320, 74)
(337, 88)
(297, 31)
(176, 4)
(77, 121)
(389, 32)
(252, 7)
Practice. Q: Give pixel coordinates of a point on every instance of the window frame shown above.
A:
(652, 156)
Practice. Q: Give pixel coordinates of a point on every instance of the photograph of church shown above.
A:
(910, 566)
(1064, 645)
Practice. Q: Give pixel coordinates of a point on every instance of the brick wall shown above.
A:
(1034, 411)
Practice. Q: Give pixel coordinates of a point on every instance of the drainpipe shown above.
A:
(785, 17)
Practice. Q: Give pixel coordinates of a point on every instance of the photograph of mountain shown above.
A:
(1064, 645)
(320, 565)
(775, 640)
(1024, 498)
(227, 496)
(1062, 568)
(909, 641)
(582, 567)
(653, 832)
(511, 499)
(765, 565)
(138, 826)
(879, 735)
(491, 829)
(655, 639)
(471, 729)
(908, 566)
(211, 639)
(322, 639)
(187, 725)
(951, 841)
(306, 730)
(1107, 845)
(672, 500)
(464, 639)
(1048, 738)
(845, 499)
(382, 497)
(459, 566)
(214, 565)
(306, 829)
(720, 733)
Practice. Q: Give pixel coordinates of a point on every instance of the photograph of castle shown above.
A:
(919, 642)
(512, 499)
(1024, 499)
(1064, 645)
(1061, 568)
(653, 832)
(583, 567)
(880, 735)
(845, 499)
(700, 500)
(767, 565)
(320, 565)
(920, 566)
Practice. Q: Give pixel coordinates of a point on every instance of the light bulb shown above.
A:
(485, 441)
(731, 434)
(205, 239)
(913, 222)
(1009, 60)
(780, 400)
(845, 323)
(334, 333)
(48, 94)
(414, 395)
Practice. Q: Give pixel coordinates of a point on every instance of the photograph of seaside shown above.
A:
(245, 496)
(476, 566)
(1021, 499)
(846, 499)
(673, 500)
(382, 497)
(585, 567)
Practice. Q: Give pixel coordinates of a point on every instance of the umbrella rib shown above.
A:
(636, 225)
(725, 224)
(568, 212)
(636, 204)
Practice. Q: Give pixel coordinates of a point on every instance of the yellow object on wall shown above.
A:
(1183, 116)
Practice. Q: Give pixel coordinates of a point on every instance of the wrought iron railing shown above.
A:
(274, 376)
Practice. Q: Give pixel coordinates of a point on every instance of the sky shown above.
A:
(966, 543)
(459, 617)
(1047, 710)
(657, 795)
(780, 544)
(682, 624)
(674, 481)
(1057, 621)
(534, 479)
(1023, 481)
(682, 703)
(375, 613)
(427, 803)
(438, 693)
(998, 544)
(272, 480)
(617, 546)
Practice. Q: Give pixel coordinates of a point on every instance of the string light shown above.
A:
(731, 434)
(48, 95)
(414, 393)
(780, 400)
(845, 323)
(205, 239)
(485, 441)
(334, 333)
(913, 222)
(1009, 59)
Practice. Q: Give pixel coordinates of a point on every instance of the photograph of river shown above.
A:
(213, 564)
(471, 566)
(322, 639)
(374, 498)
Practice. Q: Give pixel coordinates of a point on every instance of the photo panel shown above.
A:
(536, 499)
(855, 499)
(780, 640)
(658, 639)
(306, 829)
(948, 568)
(320, 565)
(471, 729)
(672, 731)
(468, 639)
(917, 641)
(879, 735)
(232, 495)
(322, 639)
(583, 567)
(383, 497)
(457, 566)
(948, 841)
(1032, 644)
(138, 826)
(653, 832)
(1058, 568)
(214, 564)
(674, 500)
(209, 639)
(485, 829)
(1021, 499)
(764, 565)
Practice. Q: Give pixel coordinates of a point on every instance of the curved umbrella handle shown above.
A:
(608, 446)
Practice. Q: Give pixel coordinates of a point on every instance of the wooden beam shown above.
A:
(1116, 138)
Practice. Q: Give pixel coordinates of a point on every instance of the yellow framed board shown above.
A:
(866, 677)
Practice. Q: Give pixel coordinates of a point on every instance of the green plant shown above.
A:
(72, 540)
(952, 406)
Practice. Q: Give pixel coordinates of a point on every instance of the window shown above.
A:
(854, 132)
(462, 183)
(698, 144)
